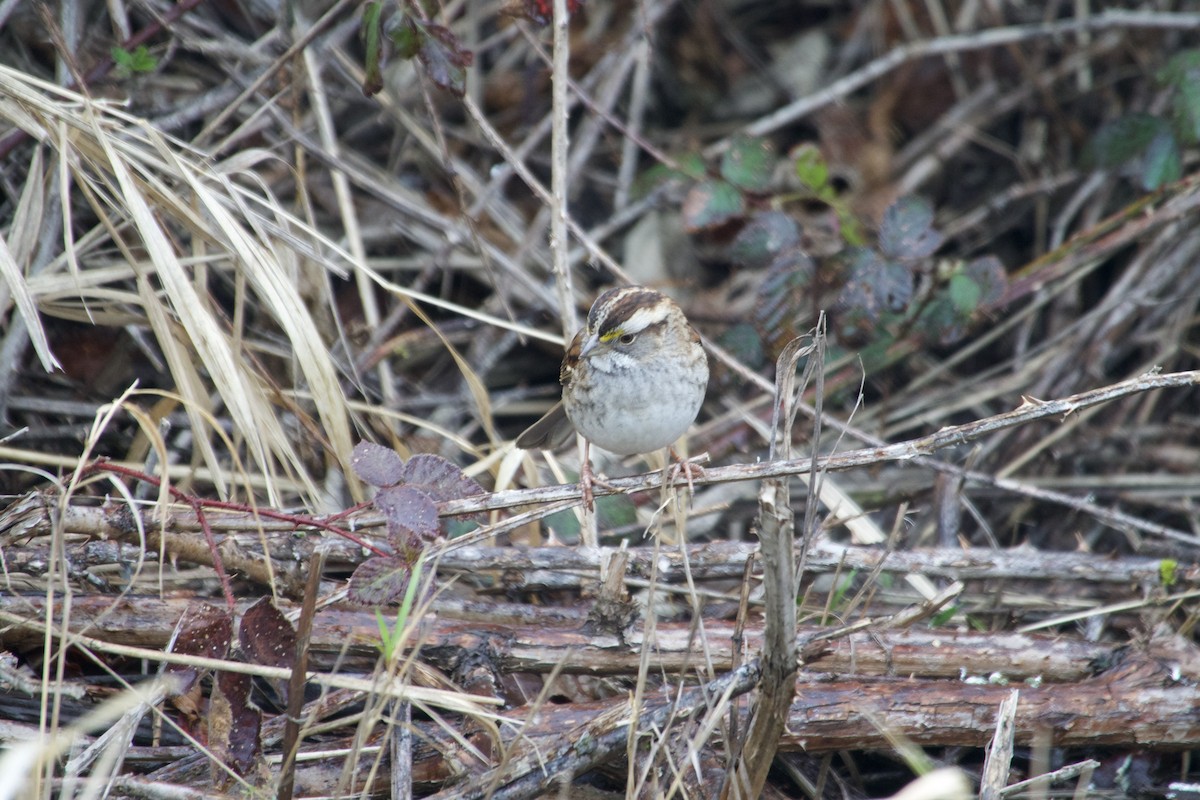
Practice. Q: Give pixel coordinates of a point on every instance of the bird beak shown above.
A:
(589, 344)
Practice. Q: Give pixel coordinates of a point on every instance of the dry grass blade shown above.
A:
(256, 422)
(21, 764)
(141, 181)
(20, 249)
(12, 276)
(276, 288)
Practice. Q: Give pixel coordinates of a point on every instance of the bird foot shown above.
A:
(588, 479)
(686, 468)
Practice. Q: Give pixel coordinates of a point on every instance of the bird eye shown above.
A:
(626, 338)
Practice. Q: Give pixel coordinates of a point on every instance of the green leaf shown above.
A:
(132, 61)
(1168, 572)
(372, 35)
(906, 231)
(941, 322)
(1182, 74)
(410, 593)
(964, 293)
(811, 169)
(1186, 110)
(615, 511)
(765, 236)
(385, 633)
(1180, 70)
(1162, 163)
(874, 354)
(743, 342)
(407, 38)
(942, 617)
(690, 167)
(439, 51)
(565, 525)
(837, 601)
(851, 228)
(612, 511)
(710, 204)
(1121, 141)
(749, 163)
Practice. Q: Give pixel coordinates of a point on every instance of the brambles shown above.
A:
(1148, 147)
(408, 496)
(874, 293)
(440, 52)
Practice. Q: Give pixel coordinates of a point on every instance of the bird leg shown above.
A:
(685, 468)
(588, 479)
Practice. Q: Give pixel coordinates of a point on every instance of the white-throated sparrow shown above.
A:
(633, 379)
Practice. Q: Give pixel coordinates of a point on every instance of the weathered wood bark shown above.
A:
(567, 566)
(1141, 703)
(553, 639)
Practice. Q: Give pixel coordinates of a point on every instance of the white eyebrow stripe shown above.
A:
(643, 318)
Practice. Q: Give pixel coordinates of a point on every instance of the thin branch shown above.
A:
(1029, 411)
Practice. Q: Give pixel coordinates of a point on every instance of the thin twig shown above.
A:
(914, 450)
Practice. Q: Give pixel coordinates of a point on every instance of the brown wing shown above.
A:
(548, 432)
(571, 359)
(553, 429)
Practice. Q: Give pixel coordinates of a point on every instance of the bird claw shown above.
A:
(588, 479)
(686, 468)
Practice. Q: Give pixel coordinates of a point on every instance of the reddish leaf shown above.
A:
(266, 635)
(235, 725)
(204, 630)
(765, 236)
(890, 281)
(379, 581)
(439, 478)
(539, 12)
(376, 464)
(444, 57)
(410, 512)
(988, 272)
(855, 313)
(784, 307)
(906, 231)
